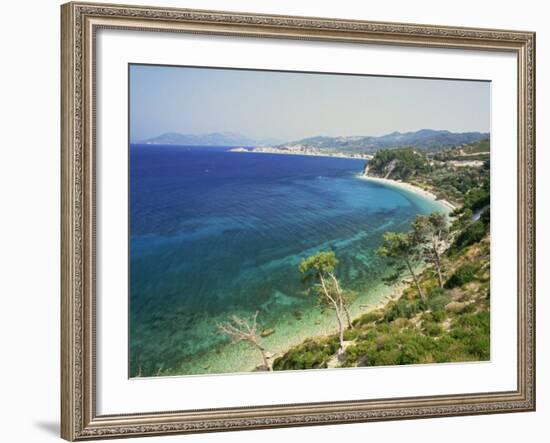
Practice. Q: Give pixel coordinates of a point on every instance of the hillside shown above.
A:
(211, 139)
(443, 313)
(477, 151)
(424, 139)
(449, 175)
(451, 325)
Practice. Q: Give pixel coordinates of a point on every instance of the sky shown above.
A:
(289, 106)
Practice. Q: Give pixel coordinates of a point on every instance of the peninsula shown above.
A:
(302, 150)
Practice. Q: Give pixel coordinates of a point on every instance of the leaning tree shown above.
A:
(242, 330)
(320, 268)
(431, 233)
(402, 246)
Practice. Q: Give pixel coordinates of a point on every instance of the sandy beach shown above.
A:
(407, 186)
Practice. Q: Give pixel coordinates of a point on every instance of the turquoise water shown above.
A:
(216, 233)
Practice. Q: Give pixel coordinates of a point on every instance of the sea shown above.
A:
(215, 233)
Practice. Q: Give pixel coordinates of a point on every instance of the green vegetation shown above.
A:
(311, 354)
(473, 233)
(482, 146)
(463, 275)
(477, 198)
(442, 314)
(436, 172)
(399, 163)
(450, 325)
(474, 151)
(319, 269)
(403, 247)
(468, 230)
(431, 234)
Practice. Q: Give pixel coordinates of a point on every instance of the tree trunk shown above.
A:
(338, 314)
(264, 357)
(416, 282)
(438, 268)
(437, 260)
(348, 316)
(340, 332)
(343, 306)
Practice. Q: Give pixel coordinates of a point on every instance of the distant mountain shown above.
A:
(212, 139)
(424, 139)
(269, 142)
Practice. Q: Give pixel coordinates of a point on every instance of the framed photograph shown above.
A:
(283, 221)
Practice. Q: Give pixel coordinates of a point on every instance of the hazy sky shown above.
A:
(290, 106)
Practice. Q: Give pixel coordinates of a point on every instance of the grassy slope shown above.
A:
(451, 325)
(481, 146)
(474, 151)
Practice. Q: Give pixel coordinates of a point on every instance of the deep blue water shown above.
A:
(214, 232)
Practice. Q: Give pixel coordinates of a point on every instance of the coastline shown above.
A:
(306, 154)
(386, 181)
(289, 333)
(409, 187)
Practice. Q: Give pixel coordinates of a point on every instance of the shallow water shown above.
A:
(216, 233)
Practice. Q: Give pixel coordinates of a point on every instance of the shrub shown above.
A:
(464, 217)
(449, 350)
(476, 198)
(386, 358)
(464, 274)
(427, 316)
(405, 162)
(470, 235)
(361, 351)
(401, 322)
(439, 316)
(310, 354)
(385, 342)
(403, 308)
(369, 317)
(456, 307)
(415, 347)
(480, 321)
(350, 334)
(479, 345)
(485, 217)
(433, 329)
(437, 299)
(473, 331)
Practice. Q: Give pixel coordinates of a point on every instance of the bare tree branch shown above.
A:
(240, 329)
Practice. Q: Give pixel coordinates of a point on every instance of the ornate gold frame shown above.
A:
(80, 21)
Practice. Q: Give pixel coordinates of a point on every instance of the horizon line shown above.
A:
(310, 136)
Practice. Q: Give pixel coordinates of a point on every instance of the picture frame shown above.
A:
(79, 178)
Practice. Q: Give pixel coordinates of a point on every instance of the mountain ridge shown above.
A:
(423, 139)
(210, 139)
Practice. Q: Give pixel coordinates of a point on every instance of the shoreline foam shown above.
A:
(409, 187)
